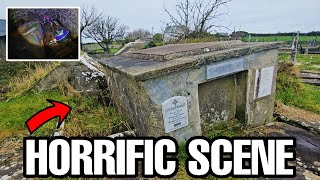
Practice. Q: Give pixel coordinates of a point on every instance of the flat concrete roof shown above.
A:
(174, 51)
(149, 63)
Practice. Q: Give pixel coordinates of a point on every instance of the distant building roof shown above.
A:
(222, 34)
(175, 29)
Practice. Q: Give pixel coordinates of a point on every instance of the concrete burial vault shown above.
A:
(182, 90)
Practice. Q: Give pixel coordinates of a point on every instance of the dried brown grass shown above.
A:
(20, 85)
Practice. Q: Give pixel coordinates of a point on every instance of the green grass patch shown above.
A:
(308, 97)
(17, 111)
(309, 61)
(114, 50)
(292, 92)
(95, 48)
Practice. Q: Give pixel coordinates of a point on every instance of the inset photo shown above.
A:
(43, 34)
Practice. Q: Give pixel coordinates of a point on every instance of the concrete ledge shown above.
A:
(141, 69)
(174, 51)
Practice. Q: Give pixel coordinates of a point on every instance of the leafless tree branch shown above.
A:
(89, 15)
(197, 16)
(106, 30)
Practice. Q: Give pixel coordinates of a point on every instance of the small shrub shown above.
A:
(157, 38)
(150, 44)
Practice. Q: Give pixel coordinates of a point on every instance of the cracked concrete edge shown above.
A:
(298, 123)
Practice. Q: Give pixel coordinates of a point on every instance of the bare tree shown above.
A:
(197, 16)
(89, 15)
(182, 16)
(106, 30)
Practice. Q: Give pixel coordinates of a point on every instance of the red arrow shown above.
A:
(57, 110)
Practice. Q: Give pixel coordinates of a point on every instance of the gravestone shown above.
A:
(175, 113)
(182, 90)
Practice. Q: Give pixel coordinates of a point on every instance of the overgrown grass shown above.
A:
(291, 91)
(94, 120)
(21, 84)
(9, 70)
(87, 118)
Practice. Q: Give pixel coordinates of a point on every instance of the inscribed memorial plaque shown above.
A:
(224, 68)
(175, 113)
(264, 80)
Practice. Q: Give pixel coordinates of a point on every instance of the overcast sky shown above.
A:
(261, 16)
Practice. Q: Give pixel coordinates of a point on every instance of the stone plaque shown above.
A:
(175, 113)
(224, 68)
(264, 81)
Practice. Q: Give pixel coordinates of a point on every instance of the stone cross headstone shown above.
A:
(294, 47)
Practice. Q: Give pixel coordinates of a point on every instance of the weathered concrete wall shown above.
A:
(133, 102)
(185, 84)
(261, 110)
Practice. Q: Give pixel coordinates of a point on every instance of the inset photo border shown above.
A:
(43, 33)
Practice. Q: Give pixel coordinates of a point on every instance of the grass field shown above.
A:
(276, 38)
(308, 61)
(96, 49)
